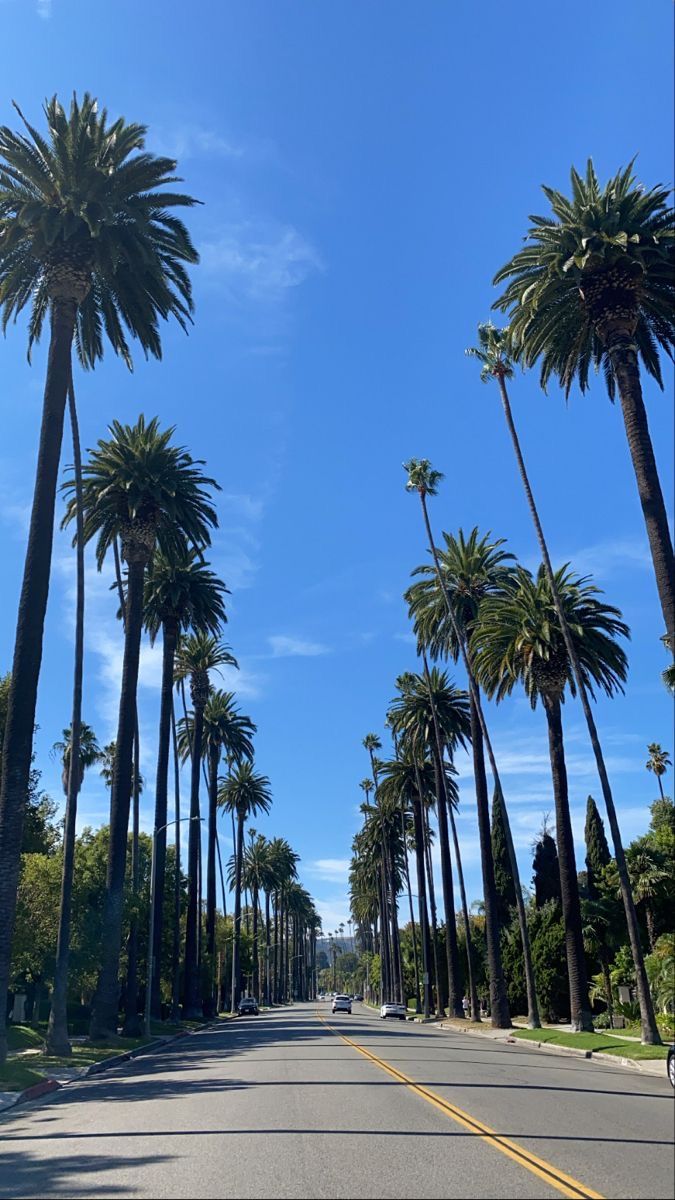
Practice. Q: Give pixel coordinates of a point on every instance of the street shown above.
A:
(282, 1106)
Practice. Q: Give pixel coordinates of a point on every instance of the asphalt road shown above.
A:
(282, 1106)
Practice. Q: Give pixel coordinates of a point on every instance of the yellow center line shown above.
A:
(557, 1179)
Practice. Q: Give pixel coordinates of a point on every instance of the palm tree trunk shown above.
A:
(169, 639)
(396, 945)
(422, 901)
(651, 927)
(193, 1007)
(451, 953)
(268, 997)
(214, 755)
(499, 1005)
(418, 1006)
(175, 974)
(658, 780)
(474, 696)
(106, 1000)
(57, 1039)
(236, 940)
(473, 992)
(607, 978)
(580, 1010)
(650, 1032)
(439, 1006)
(132, 1021)
(18, 739)
(627, 374)
(256, 967)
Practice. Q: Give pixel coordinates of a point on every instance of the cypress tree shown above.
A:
(546, 878)
(506, 892)
(597, 850)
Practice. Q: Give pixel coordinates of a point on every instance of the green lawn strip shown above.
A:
(590, 1041)
(16, 1075)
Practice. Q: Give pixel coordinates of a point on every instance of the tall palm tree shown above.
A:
(244, 793)
(518, 639)
(434, 714)
(658, 762)
(650, 878)
(78, 751)
(283, 865)
(197, 655)
(595, 286)
(494, 354)
(139, 487)
(181, 592)
(444, 605)
(254, 874)
(226, 729)
(87, 239)
(107, 761)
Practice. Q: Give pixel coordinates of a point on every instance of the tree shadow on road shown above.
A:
(78, 1175)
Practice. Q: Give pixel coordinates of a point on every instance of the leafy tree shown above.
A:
(597, 850)
(546, 877)
(142, 489)
(88, 239)
(594, 286)
(506, 892)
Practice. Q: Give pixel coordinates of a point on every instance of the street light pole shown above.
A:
(151, 931)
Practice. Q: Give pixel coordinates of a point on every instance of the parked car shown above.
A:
(359, 998)
(248, 1007)
(342, 1004)
(394, 1010)
(671, 1064)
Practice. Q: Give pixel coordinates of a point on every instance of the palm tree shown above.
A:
(88, 239)
(107, 761)
(444, 605)
(595, 286)
(649, 878)
(89, 754)
(197, 655)
(434, 714)
(224, 729)
(254, 873)
(493, 352)
(244, 793)
(181, 592)
(658, 762)
(139, 487)
(78, 750)
(283, 870)
(518, 639)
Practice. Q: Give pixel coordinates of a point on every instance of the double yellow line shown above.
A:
(557, 1179)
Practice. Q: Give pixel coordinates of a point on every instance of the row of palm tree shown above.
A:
(89, 238)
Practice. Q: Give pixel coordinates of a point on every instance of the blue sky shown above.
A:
(364, 170)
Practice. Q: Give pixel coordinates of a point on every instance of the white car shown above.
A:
(394, 1010)
(342, 1004)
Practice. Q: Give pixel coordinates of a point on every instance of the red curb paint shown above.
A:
(39, 1089)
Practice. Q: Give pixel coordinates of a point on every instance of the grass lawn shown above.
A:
(27, 1069)
(591, 1041)
(23, 1037)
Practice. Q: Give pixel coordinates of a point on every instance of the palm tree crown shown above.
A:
(90, 753)
(245, 792)
(197, 655)
(421, 477)
(603, 260)
(83, 217)
(225, 727)
(141, 488)
(518, 636)
(181, 588)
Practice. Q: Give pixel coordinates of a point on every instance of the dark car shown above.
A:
(248, 1007)
(670, 1065)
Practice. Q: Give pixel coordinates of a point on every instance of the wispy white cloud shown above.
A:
(331, 869)
(191, 140)
(408, 637)
(334, 911)
(44, 9)
(283, 646)
(259, 261)
(602, 559)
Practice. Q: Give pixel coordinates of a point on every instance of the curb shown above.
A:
(650, 1066)
(45, 1086)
